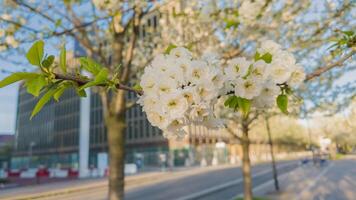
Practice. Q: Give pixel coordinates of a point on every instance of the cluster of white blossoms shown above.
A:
(260, 80)
(249, 10)
(180, 90)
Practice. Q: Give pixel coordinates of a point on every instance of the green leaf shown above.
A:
(43, 101)
(100, 78)
(35, 85)
(267, 57)
(48, 61)
(234, 104)
(228, 101)
(137, 87)
(18, 76)
(244, 105)
(81, 93)
(282, 103)
(348, 33)
(63, 59)
(60, 91)
(169, 48)
(35, 53)
(257, 56)
(231, 23)
(90, 65)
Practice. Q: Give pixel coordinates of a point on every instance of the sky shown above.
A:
(8, 101)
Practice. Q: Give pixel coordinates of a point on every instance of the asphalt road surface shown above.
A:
(215, 185)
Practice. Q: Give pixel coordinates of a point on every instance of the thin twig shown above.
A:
(326, 68)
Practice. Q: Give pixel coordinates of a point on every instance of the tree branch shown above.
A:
(129, 53)
(232, 132)
(80, 81)
(326, 68)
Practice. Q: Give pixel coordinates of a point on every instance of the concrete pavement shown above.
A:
(334, 181)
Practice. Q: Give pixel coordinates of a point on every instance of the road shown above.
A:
(219, 184)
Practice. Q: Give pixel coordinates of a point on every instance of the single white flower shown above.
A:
(237, 67)
(249, 10)
(165, 85)
(158, 119)
(148, 82)
(184, 64)
(199, 112)
(160, 62)
(197, 72)
(181, 52)
(279, 71)
(247, 88)
(269, 46)
(259, 70)
(188, 94)
(175, 105)
(176, 125)
(297, 77)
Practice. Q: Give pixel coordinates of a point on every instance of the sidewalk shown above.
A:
(131, 182)
(334, 181)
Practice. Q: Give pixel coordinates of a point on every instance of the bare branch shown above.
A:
(232, 132)
(129, 53)
(326, 68)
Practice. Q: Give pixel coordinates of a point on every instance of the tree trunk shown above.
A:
(116, 141)
(274, 169)
(246, 164)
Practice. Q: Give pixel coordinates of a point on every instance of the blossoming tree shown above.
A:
(179, 87)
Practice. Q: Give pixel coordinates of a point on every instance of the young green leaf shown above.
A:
(48, 61)
(282, 103)
(137, 87)
(234, 104)
(228, 101)
(43, 101)
(348, 33)
(267, 57)
(35, 85)
(100, 78)
(244, 105)
(90, 65)
(81, 93)
(257, 56)
(60, 91)
(35, 53)
(63, 60)
(18, 76)
(169, 48)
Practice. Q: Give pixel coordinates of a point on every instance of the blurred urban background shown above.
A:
(68, 140)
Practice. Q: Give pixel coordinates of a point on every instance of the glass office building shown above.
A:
(51, 138)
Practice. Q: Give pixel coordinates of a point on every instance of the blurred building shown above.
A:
(6, 146)
(71, 132)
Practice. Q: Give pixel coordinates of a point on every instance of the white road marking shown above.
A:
(226, 185)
